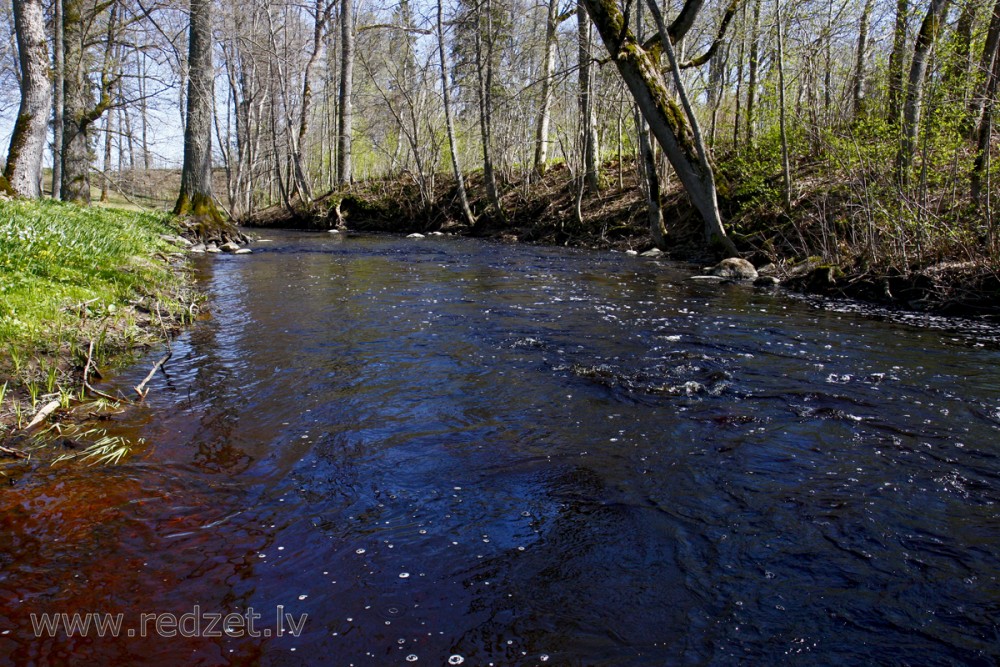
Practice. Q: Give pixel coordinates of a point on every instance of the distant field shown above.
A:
(141, 189)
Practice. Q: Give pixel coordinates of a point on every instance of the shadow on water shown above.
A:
(522, 456)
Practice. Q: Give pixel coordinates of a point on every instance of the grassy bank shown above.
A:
(75, 280)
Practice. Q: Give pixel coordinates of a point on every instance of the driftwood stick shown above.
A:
(41, 415)
(16, 453)
(141, 387)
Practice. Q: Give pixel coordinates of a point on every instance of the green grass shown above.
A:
(70, 275)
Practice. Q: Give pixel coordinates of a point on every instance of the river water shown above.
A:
(445, 451)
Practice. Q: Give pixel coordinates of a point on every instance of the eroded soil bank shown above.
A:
(817, 248)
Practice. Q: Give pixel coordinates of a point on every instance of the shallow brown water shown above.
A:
(526, 456)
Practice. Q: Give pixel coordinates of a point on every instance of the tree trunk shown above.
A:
(195, 197)
(752, 76)
(345, 120)
(957, 71)
(588, 119)
(896, 60)
(109, 131)
(75, 182)
(786, 170)
(549, 66)
(647, 161)
(980, 165)
(672, 127)
(986, 62)
(858, 88)
(301, 179)
(929, 31)
(449, 123)
(27, 143)
(484, 74)
(58, 61)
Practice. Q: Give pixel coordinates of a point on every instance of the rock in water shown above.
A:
(243, 251)
(652, 252)
(229, 247)
(766, 281)
(734, 268)
(414, 236)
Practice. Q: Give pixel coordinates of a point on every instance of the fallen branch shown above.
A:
(141, 387)
(16, 453)
(41, 415)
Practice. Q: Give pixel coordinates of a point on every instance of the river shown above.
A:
(448, 451)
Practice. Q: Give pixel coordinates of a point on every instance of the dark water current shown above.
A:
(452, 452)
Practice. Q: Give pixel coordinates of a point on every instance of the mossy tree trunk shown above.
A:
(196, 176)
(672, 126)
(27, 143)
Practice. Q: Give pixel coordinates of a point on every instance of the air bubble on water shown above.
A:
(400, 641)
(520, 548)
(281, 548)
(404, 575)
(544, 657)
(303, 597)
(359, 551)
(412, 657)
(422, 531)
(456, 660)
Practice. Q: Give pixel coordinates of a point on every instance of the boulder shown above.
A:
(176, 240)
(212, 248)
(415, 235)
(766, 281)
(652, 252)
(197, 248)
(229, 246)
(734, 268)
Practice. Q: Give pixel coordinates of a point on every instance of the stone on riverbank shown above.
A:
(734, 268)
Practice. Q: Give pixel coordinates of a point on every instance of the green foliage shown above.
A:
(751, 176)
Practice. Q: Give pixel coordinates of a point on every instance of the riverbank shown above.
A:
(848, 234)
(81, 289)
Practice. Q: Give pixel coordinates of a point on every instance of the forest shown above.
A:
(857, 131)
